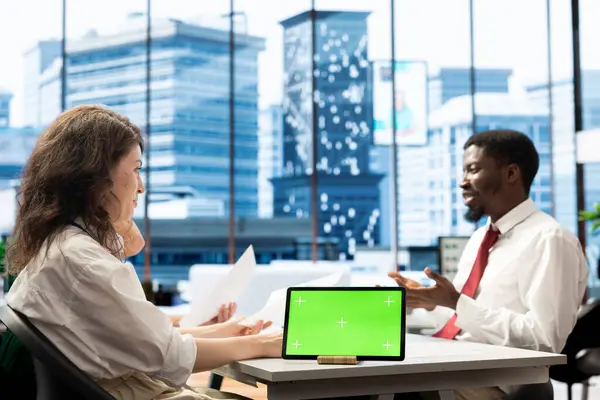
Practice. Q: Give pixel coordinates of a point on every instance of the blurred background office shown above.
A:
(270, 122)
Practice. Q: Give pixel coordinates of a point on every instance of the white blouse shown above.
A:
(92, 307)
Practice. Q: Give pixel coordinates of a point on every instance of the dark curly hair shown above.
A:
(68, 176)
(507, 147)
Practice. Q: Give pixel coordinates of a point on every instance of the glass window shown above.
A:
(352, 52)
(273, 115)
(31, 53)
(434, 161)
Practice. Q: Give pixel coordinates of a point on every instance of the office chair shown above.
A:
(540, 391)
(588, 361)
(56, 377)
(581, 350)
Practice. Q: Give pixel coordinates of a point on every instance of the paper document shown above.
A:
(274, 309)
(205, 306)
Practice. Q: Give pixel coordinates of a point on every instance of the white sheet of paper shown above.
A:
(274, 309)
(205, 306)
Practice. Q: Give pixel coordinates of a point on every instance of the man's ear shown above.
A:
(513, 173)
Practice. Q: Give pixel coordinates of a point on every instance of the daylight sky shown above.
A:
(508, 33)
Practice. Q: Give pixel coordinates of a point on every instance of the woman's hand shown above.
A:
(233, 328)
(226, 311)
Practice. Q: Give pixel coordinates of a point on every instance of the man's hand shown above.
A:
(403, 281)
(409, 284)
(442, 293)
(226, 311)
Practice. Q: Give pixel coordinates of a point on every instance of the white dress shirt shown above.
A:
(531, 288)
(92, 307)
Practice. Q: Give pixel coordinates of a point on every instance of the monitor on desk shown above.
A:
(368, 323)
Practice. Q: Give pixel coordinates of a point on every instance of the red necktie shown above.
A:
(450, 330)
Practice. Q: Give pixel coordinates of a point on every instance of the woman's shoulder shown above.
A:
(76, 247)
(71, 258)
(69, 253)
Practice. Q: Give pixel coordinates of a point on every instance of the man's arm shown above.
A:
(552, 293)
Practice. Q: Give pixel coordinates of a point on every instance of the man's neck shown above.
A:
(507, 206)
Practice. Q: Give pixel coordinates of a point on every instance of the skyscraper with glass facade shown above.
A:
(189, 98)
(434, 206)
(563, 139)
(348, 194)
(5, 97)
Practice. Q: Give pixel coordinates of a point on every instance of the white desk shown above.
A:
(430, 365)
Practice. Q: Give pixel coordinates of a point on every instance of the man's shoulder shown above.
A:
(546, 226)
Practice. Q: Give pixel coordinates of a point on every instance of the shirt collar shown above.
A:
(514, 216)
(93, 232)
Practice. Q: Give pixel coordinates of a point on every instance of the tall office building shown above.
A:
(430, 201)
(270, 156)
(189, 100)
(563, 143)
(41, 91)
(16, 144)
(5, 98)
(348, 195)
(448, 83)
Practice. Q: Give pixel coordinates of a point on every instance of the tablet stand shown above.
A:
(340, 360)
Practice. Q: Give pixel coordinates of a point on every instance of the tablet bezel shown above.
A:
(401, 357)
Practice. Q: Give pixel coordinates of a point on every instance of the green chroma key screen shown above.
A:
(365, 322)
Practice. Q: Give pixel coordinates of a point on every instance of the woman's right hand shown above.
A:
(271, 344)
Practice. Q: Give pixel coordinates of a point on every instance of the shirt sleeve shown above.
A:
(551, 288)
(440, 315)
(123, 329)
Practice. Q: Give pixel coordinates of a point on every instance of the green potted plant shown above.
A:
(592, 216)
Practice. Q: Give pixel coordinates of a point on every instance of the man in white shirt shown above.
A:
(535, 270)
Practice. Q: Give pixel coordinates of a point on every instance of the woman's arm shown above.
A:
(213, 353)
(231, 328)
(201, 332)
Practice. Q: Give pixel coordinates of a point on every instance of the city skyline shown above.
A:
(265, 84)
(495, 45)
(340, 161)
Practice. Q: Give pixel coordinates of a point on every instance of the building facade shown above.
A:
(5, 98)
(189, 92)
(270, 156)
(430, 200)
(563, 143)
(348, 191)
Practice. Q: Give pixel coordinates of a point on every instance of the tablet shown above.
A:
(367, 322)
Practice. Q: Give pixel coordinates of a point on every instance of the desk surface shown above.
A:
(423, 355)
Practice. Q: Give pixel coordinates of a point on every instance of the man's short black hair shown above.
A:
(509, 147)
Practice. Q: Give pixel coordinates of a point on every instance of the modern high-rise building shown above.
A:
(16, 144)
(448, 83)
(189, 94)
(41, 90)
(348, 192)
(5, 98)
(270, 156)
(563, 143)
(430, 201)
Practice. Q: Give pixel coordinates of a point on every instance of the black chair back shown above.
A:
(539, 391)
(56, 376)
(585, 335)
